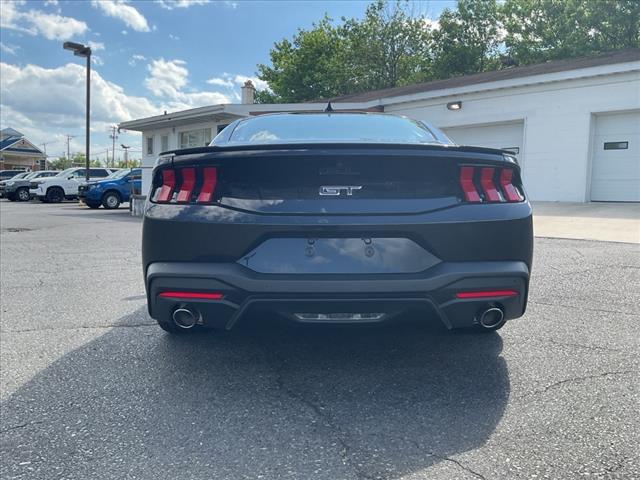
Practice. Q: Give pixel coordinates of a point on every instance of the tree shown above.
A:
(61, 163)
(539, 30)
(467, 39)
(306, 67)
(388, 47)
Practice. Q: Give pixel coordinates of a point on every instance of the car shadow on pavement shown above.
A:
(268, 400)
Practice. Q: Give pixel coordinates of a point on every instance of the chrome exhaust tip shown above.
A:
(491, 318)
(185, 318)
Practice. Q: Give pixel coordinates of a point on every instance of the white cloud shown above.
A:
(133, 61)
(171, 4)
(96, 46)
(9, 49)
(168, 78)
(259, 84)
(121, 10)
(40, 114)
(221, 81)
(37, 22)
(51, 2)
(174, 37)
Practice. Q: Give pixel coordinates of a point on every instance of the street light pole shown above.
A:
(126, 154)
(83, 51)
(87, 139)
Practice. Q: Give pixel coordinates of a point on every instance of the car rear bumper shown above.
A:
(434, 290)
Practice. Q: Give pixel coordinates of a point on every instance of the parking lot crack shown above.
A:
(81, 327)
(587, 347)
(600, 310)
(20, 426)
(459, 464)
(581, 379)
(326, 420)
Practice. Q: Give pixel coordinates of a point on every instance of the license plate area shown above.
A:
(366, 255)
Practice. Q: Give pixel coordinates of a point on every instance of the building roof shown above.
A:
(14, 142)
(623, 56)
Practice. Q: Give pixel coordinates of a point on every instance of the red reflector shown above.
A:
(188, 181)
(487, 294)
(168, 182)
(510, 192)
(488, 187)
(466, 182)
(194, 295)
(209, 181)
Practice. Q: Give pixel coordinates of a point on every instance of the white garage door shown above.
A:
(504, 135)
(615, 171)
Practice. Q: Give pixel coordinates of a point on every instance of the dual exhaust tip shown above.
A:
(492, 318)
(186, 318)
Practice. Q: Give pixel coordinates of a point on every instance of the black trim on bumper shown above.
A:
(243, 289)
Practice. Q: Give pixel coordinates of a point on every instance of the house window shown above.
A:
(222, 127)
(195, 138)
(164, 143)
(149, 145)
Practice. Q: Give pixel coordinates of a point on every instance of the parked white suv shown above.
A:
(65, 184)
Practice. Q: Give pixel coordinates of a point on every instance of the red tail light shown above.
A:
(488, 187)
(508, 192)
(468, 188)
(487, 294)
(168, 184)
(208, 185)
(193, 295)
(188, 182)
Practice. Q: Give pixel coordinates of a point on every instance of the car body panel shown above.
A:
(331, 227)
(93, 192)
(69, 183)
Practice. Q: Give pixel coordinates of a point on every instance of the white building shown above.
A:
(574, 124)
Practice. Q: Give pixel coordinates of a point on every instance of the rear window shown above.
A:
(341, 128)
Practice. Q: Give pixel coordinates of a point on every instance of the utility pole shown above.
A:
(126, 154)
(113, 135)
(69, 137)
(46, 158)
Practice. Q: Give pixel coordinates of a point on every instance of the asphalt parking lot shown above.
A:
(92, 389)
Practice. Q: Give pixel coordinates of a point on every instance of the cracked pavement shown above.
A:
(91, 388)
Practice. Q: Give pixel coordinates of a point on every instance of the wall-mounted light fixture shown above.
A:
(454, 105)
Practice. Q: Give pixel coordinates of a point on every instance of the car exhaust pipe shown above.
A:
(492, 318)
(185, 318)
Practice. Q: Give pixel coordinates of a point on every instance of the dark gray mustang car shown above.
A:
(336, 218)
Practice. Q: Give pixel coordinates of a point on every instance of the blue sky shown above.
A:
(149, 56)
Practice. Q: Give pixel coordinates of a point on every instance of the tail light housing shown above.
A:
(185, 185)
(489, 184)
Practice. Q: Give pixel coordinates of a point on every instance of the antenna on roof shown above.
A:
(329, 108)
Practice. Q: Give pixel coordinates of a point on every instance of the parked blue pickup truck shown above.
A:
(113, 190)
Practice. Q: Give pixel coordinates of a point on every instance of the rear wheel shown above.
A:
(55, 195)
(111, 200)
(22, 195)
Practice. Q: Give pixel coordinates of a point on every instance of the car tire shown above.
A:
(55, 195)
(22, 195)
(111, 200)
(92, 205)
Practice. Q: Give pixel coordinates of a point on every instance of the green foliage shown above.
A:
(468, 39)
(539, 30)
(390, 46)
(61, 163)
